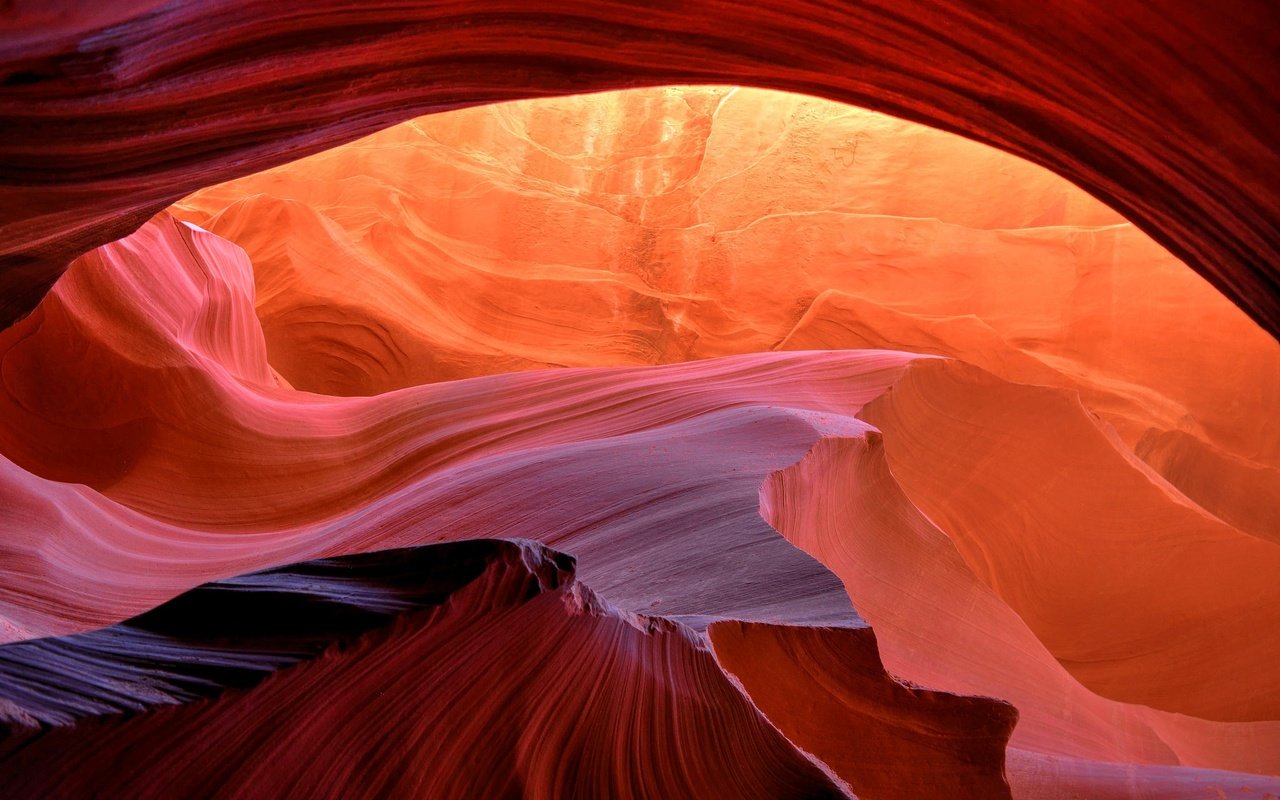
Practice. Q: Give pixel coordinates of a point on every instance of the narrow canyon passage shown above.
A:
(685, 441)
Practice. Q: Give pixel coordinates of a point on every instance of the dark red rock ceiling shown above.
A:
(1165, 111)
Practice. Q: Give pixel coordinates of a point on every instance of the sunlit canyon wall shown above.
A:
(680, 442)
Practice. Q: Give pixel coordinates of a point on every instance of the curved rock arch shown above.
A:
(1165, 113)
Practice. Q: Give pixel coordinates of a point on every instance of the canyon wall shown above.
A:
(690, 441)
(1163, 112)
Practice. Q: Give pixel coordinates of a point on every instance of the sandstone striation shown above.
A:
(111, 115)
(679, 442)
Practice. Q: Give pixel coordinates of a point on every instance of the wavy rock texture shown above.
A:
(970, 452)
(365, 675)
(879, 492)
(676, 205)
(939, 625)
(112, 114)
(828, 692)
(1244, 493)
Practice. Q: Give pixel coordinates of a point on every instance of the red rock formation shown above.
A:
(670, 213)
(225, 443)
(827, 692)
(92, 147)
(938, 625)
(662, 509)
(805, 404)
(1090, 532)
(651, 475)
(1243, 493)
(520, 681)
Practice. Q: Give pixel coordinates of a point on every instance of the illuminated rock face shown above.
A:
(669, 225)
(683, 442)
(659, 226)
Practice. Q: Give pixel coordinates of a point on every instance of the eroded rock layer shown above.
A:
(1163, 111)
(882, 485)
(666, 225)
(415, 676)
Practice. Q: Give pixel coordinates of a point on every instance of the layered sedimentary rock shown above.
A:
(366, 676)
(939, 625)
(828, 692)
(661, 509)
(651, 476)
(662, 226)
(692, 442)
(1244, 493)
(110, 115)
(643, 227)
(1056, 517)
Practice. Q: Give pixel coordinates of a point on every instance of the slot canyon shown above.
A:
(640, 400)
